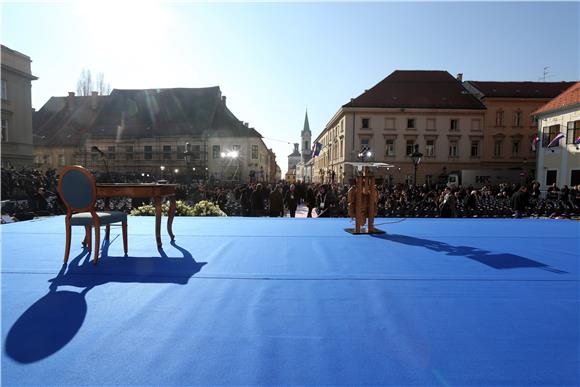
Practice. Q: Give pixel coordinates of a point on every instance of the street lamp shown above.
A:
(416, 157)
(162, 170)
(187, 157)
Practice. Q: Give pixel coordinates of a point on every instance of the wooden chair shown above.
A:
(78, 190)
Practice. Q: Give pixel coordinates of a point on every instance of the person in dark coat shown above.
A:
(257, 199)
(310, 200)
(520, 201)
(276, 202)
(291, 200)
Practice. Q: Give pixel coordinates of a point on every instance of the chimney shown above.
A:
(224, 99)
(94, 99)
(460, 77)
(246, 124)
(70, 101)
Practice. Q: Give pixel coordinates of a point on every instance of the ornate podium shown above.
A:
(363, 199)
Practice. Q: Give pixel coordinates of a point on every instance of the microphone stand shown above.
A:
(109, 180)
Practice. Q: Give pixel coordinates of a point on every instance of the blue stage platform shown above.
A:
(250, 301)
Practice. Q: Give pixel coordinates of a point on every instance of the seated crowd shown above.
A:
(35, 191)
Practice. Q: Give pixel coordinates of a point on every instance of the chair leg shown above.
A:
(108, 232)
(97, 244)
(87, 240)
(67, 243)
(125, 241)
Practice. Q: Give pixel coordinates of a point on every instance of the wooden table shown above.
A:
(147, 190)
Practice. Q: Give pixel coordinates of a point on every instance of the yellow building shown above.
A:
(559, 133)
(16, 109)
(146, 132)
(426, 110)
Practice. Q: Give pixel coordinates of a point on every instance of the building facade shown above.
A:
(429, 111)
(147, 132)
(559, 140)
(509, 126)
(17, 148)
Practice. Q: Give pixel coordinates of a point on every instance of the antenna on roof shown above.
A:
(546, 73)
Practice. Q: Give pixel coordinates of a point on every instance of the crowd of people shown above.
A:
(35, 191)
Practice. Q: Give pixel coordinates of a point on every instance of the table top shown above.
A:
(135, 185)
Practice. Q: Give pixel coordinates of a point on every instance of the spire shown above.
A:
(306, 124)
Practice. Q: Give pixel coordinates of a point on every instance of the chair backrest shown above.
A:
(77, 188)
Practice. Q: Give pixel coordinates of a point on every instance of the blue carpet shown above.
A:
(250, 301)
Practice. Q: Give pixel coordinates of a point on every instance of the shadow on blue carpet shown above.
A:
(53, 321)
(496, 261)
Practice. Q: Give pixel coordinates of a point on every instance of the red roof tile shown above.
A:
(417, 89)
(568, 98)
(520, 89)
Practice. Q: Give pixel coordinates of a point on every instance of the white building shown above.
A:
(558, 160)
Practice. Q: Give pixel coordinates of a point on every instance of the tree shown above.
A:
(85, 84)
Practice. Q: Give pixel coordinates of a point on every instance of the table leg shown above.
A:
(170, 215)
(157, 201)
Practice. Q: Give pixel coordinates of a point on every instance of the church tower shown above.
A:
(306, 137)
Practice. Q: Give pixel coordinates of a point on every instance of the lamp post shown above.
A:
(416, 157)
(187, 157)
(162, 168)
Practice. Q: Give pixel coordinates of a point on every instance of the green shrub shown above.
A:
(203, 208)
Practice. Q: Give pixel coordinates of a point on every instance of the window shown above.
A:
(453, 152)
(499, 118)
(551, 176)
(111, 152)
(575, 177)
(364, 142)
(475, 149)
(94, 154)
(411, 123)
(61, 161)
(235, 147)
(47, 160)
(4, 91)
(196, 152)
(166, 152)
(549, 133)
(389, 123)
(429, 179)
(476, 124)
(573, 135)
(430, 148)
(390, 147)
(129, 152)
(430, 123)
(254, 152)
(410, 147)
(180, 152)
(148, 152)
(365, 123)
(516, 148)
(4, 130)
(518, 118)
(215, 151)
(454, 125)
(497, 148)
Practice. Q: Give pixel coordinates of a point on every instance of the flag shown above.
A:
(577, 141)
(535, 143)
(316, 147)
(556, 140)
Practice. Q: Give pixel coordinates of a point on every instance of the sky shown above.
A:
(275, 60)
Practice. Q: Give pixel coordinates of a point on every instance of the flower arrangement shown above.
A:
(203, 208)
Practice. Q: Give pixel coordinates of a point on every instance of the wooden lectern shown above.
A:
(363, 200)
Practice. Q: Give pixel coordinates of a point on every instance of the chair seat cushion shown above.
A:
(107, 217)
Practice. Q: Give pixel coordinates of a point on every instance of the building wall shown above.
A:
(169, 153)
(508, 132)
(564, 158)
(16, 109)
(344, 136)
